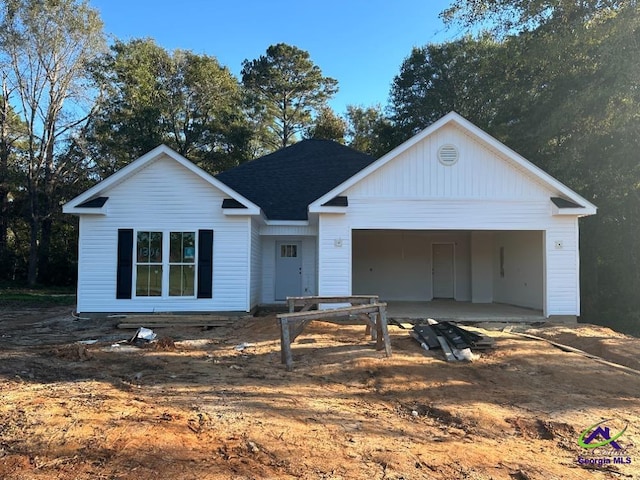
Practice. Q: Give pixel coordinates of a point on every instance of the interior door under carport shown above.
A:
(443, 270)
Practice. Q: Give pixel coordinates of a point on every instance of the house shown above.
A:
(451, 213)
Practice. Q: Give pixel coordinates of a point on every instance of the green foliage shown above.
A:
(461, 76)
(184, 100)
(20, 298)
(517, 16)
(284, 89)
(12, 133)
(370, 131)
(328, 126)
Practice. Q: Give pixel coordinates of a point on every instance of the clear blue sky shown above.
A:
(360, 43)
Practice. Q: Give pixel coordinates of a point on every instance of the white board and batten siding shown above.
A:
(562, 262)
(483, 191)
(165, 196)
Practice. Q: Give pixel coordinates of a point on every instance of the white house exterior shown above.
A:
(162, 192)
(451, 213)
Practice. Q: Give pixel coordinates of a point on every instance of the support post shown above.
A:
(285, 344)
(383, 340)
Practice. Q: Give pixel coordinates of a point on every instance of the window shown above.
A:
(182, 266)
(159, 274)
(149, 264)
(290, 251)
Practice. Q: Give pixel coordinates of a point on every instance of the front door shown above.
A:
(442, 270)
(288, 270)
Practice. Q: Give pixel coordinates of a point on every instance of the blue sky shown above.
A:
(360, 43)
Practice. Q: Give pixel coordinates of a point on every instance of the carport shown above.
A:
(475, 267)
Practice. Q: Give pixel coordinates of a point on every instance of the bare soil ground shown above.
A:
(192, 406)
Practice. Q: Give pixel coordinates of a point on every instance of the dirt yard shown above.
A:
(193, 406)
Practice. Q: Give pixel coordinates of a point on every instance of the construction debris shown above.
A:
(143, 334)
(455, 342)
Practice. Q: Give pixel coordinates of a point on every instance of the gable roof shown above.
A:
(584, 206)
(93, 201)
(285, 182)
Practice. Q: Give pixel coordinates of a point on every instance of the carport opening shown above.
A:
(466, 266)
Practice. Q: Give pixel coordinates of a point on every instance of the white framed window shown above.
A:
(165, 264)
(288, 251)
(148, 264)
(182, 264)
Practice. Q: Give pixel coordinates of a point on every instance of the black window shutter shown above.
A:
(205, 263)
(124, 275)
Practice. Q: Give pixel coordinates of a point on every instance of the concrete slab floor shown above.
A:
(463, 311)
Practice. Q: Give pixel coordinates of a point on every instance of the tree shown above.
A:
(465, 76)
(285, 88)
(328, 126)
(370, 131)
(12, 130)
(152, 96)
(517, 16)
(46, 45)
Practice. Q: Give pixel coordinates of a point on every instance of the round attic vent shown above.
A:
(448, 155)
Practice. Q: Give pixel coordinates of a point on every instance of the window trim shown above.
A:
(165, 264)
(193, 263)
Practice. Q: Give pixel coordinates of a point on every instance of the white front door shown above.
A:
(443, 276)
(288, 270)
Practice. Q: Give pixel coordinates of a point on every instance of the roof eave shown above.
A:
(293, 223)
(249, 211)
(580, 212)
(84, 211)
(148, 157)
(325, 209)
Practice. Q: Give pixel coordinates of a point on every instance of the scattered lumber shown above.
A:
(455, 342)
(157, 321)
(448, 353)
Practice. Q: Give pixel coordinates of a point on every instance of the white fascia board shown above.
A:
(123, 173)
(239, 211)
(453, 117)
(322, 209)
(292, 223)
(580, 212)
(84, 211)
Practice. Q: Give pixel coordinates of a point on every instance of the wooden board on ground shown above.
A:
(448, 354)
(150, 321)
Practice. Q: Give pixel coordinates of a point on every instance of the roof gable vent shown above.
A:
(448, 155)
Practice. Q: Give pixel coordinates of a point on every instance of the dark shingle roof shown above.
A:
(285, 182)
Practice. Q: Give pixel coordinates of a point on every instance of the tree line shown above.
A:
(557, 82)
